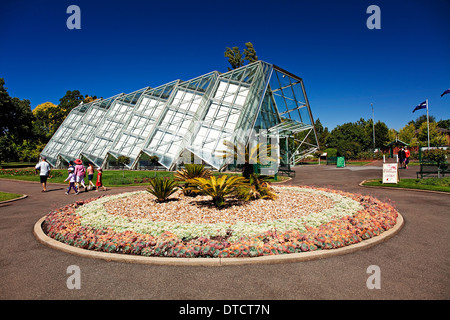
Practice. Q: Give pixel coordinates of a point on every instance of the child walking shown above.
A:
(99, 180)
(72, 180)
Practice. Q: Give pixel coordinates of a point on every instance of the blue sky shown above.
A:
(124, 46)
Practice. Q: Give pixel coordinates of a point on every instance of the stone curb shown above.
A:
(215, 262)
(20, 198)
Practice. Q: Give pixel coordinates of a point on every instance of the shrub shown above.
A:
(162, 188)
(218, 189)
(256, 188)
(436, 155)
(191, 171)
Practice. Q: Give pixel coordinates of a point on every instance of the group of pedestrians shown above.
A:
(403, 157)
(76, 174)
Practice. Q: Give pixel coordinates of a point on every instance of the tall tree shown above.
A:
(70, 100)
(351, 138)
(236, 58)
(15, 123)
(322, 134)
(47, 120)
(250, 53)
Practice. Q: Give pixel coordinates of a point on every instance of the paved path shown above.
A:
(414, 264)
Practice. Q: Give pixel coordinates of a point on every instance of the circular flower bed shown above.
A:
(300, 219)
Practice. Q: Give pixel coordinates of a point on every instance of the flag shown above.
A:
(445, 92)
(423, 105)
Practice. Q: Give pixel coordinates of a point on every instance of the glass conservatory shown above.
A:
(191, 119)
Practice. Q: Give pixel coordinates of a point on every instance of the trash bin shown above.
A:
(340, 162)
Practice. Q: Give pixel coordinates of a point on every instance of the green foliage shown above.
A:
(436, 155)
(236, 58)
(153, 159)
(352, 138)
(248, 154)
(255, 188)
(124, 160)
(250, 53)
(162, 188)
(331, 152)
(415, 133)
(15, 124)
(218, 189)
(191, 171)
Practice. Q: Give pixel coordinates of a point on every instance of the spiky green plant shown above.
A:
(191, 171)
(162, 188)
(256, 187)
(250, 154)
(218, 189)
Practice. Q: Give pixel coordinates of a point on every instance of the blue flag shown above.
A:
(423, 105)
(445, 92)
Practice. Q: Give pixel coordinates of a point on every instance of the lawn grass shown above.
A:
(434, 184)
(4, 196)
(111, 178)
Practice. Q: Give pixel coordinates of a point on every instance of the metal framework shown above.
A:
(189, 117)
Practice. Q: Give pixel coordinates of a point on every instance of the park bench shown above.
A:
(286, 170)
(427, 169)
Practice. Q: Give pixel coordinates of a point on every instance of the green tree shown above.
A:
(436, 138)
(408, 134)
(236, 58)
(15, 123)
(423, 118)
(381, 134)
(47, 119)
(70, 100)
(444, 124)
(322, 133)
(392, 134)
(123, 161)
(250, 53)
(352, 138)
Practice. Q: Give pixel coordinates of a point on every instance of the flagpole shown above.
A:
(428, 127)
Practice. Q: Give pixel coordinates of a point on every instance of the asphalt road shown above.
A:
(414, 264)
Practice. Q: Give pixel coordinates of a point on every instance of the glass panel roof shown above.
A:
(197, 115)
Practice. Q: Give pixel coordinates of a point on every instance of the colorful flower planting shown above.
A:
(349, 219)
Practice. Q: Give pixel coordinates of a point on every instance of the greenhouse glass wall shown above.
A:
(191, 120)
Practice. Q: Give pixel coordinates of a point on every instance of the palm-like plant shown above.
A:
(249, 155)
(162, 188)
(257, 187)
(219, 188)
(191, 171)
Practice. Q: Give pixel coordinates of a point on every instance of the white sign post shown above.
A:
(390, 173)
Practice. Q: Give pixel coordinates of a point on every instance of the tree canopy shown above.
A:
(24, 133)
(236, 58)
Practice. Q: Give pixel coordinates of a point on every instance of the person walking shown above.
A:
(99, 180)
(44, 171)
(72, 180)
(401, 157)
(407, 155)
(90, 172)
(71, 165)
(80, 173)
